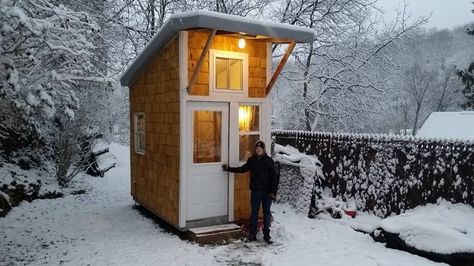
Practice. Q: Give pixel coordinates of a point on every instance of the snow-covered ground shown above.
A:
(444, 228)
(101, 227)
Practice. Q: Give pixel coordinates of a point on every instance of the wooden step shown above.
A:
(215, 233)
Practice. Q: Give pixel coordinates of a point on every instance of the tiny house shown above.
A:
(198, 99)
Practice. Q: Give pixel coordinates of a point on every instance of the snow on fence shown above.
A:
(387, 174)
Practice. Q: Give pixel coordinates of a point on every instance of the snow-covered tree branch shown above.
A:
(46, 50)
(339, 76)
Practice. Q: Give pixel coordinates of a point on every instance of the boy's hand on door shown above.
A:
(272, 196)
(225, 167)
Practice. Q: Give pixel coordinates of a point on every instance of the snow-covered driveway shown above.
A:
(101, 227)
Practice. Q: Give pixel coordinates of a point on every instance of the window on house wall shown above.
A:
(228, 71)
(140, 133)
(229, 74)
(249, 130)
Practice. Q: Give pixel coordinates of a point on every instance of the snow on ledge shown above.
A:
(310, 166)
(290, 155)
(443, 228)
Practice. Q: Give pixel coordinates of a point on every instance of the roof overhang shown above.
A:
(275, 32)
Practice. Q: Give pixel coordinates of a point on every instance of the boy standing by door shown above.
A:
(263, 187)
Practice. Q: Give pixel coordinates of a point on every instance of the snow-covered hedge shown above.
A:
(386, 174)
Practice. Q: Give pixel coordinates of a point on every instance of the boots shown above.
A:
(267, 239)
(251, 238)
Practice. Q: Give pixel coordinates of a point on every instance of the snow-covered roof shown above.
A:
(450, 125)
(212, 20)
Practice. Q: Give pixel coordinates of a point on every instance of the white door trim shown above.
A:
(194, 168)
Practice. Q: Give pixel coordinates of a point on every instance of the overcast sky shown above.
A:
(444, 13)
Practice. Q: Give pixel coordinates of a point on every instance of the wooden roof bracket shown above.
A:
(211, 36)
(280, 66)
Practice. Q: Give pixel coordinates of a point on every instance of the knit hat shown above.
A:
(260, 144)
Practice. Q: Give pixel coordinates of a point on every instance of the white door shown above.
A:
(207, 143)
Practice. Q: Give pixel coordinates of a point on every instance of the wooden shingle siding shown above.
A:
(155, 175)
(241, 197)
(256, 50)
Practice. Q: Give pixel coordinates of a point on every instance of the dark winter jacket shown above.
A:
(262, 173)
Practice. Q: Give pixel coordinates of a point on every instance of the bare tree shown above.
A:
(418, 81)
(340, 72)
(448, 89)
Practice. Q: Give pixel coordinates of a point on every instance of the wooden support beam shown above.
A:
(280, 66)
(211, 36)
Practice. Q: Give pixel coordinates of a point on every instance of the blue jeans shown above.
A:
(257, 197)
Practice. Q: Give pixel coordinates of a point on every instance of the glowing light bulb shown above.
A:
(241, 43)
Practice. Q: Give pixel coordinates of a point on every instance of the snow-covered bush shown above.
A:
(297, 178)
(388, 174)
(18, 185)
(69, 149)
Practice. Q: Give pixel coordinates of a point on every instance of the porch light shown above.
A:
(244, 117)
(241, 43)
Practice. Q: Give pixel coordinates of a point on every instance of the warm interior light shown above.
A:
(241, 43)
(244, 118)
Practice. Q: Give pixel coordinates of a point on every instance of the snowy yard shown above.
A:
(190, 83)
(101, 227)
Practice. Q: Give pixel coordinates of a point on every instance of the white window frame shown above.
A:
(213, 54)
(138, 134)
(259, 132)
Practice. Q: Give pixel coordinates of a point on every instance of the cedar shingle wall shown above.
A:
(241, 197)
(156, 173)
(257, 54)
(256, 50)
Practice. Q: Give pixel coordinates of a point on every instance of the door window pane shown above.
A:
(248, 118)
(207, 136)
(247, 146)
(229, 73)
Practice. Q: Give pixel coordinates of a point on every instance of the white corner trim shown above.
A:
(183, 84)
(233, 152)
